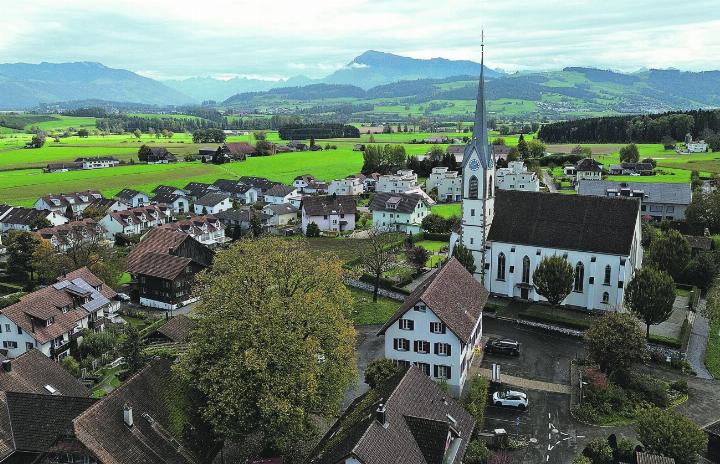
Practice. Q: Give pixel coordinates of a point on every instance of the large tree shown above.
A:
(615, 342)
(536, 148)
(465, 256)
(379, 370)
(553, 278)
(650, 296)
(379, 255)
(522, 147)
(670, 253)
(273, 347)
(670, 433)
(20, 247)
(629, 154)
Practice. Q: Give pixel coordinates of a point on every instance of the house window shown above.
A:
(9, 345)
(501, 266)
(473, 188)
(526, 270)
(19, 330)
(402, 363)
(607, 275)
(7, 327)
(28, 346)
(437, 327)
(472, 212)
(421, 346)
(406, 324)
(442, 372)
(492, 187)
(443, 349)
(401, 344)
(424, 367)
(606, 297)
(419, 307)
(579, 277)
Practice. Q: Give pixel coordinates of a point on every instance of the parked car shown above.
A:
(511, 399)
(503, 345)
(123, 297)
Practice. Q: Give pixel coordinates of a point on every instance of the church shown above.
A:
(510, 232)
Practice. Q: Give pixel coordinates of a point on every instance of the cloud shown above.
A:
(167, 38)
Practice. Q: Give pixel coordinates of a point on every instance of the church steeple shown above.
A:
(479, 140)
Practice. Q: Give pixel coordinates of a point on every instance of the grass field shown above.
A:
(447, 210)
(366, 312)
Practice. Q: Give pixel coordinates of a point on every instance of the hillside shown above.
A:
(24, 85)
(569, 93)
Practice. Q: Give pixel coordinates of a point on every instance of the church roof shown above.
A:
(565, 222)
(479, 142)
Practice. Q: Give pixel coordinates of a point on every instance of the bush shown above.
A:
(599, 451)
(312, 230)
(581, 459)
(96, 344)
(477, 452)
(476, 398)
(71, 365)
(586, 413)
(680, 386)
(436, 236)
(625, 450)
(379, 371)
(670, 433)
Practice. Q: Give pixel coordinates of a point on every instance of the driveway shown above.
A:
(369, 347)
(698, 344)
(548, 181)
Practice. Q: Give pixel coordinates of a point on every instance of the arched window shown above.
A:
(606, 297)
(526, 270)
(473, 190)
(491, 190)
(579, 277)
(501, 266)
(607, 275)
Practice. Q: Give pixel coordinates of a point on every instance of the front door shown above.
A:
(524, 293)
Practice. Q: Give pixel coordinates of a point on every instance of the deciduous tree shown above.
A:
(523, 148)
(650, 296)
(20, 247)
(671, 434)
(670, 253)
(312, 230)
(553, 278)
(417, 257)
(131, 348)
(379, 370)
(629, 154)
(379, 255)
(464, 255)
(536, 148)
(273, 346)
(615, 341)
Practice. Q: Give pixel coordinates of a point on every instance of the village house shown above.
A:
(509, 233)
(238, 151)
(351, 185)
(168, 190)
(51, 318)
(19, 218)
(132, 198)
(97, 162)
(136, 220)
(400, 182)
(517, 177)
(197, 190)
(159, 155)
(178, 203)
(697, 146)
(175, 330)
(280, 215)
(212, 203)
(207, 230)
(448, 184)
(632, 169)
(439, 325)
(334, 213)
(67, 236)
(569, 170)
(33, 372)
(301, 182)
(588, 169)
(163, 266)
(237, 190)
(207, 154)
(399, 212)
(107, 204)
(62, 167)
(407, 416)
(658, 200)
(370, 181)
(68, 204)
(280, 194)
(295, 145)
(259, 184)
(242, 218)
(316, 188)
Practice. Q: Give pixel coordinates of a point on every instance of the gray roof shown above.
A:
(211, 199)
(650, 192)
(128, 194)
(406, 202)
(329, 204)
(279, 190)
(589, 164)
(284, 208)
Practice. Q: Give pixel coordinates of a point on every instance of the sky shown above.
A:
(176, 39)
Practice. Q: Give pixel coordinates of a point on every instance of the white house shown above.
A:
(588, 169)
(237, 190)
(401, 212)
(133, 198)
(400, 182)
(699, 146)
(280, 194)
(19, 218)
(179, 203)
(52, 317)
(280, 215)
(136, 220)
(350, 185)
(509, 234)
(370, 181)
(212, 203)
(448, 184)
(300, 182)
(97, 162)
(330, 212)
(439, 325)
(66, 236)
(207, 230)
(75, 201)
(517, 177)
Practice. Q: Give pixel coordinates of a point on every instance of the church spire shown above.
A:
(480, 130)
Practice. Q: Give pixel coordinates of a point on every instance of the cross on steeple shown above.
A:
(479, 140)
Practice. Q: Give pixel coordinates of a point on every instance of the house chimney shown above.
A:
(381, 416)
(7, 365)
(127, 415)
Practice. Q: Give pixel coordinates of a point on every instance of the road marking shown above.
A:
(547, 458)
(502, 420)
(549, 416)
(549, 436)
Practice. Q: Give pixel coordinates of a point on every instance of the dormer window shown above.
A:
(50, 321)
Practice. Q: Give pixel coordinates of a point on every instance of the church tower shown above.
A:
(478, 169)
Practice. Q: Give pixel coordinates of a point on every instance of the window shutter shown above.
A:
(449, 349)
(395, 343)
(437, 348)
(435, 370)
(442, 327)
(426, 347)
(411, 325)
(449, 375)
(415, 346)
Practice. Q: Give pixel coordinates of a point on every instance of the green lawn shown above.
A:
(366, 312)
(712, 353)
(447, 210)
(431, 245)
